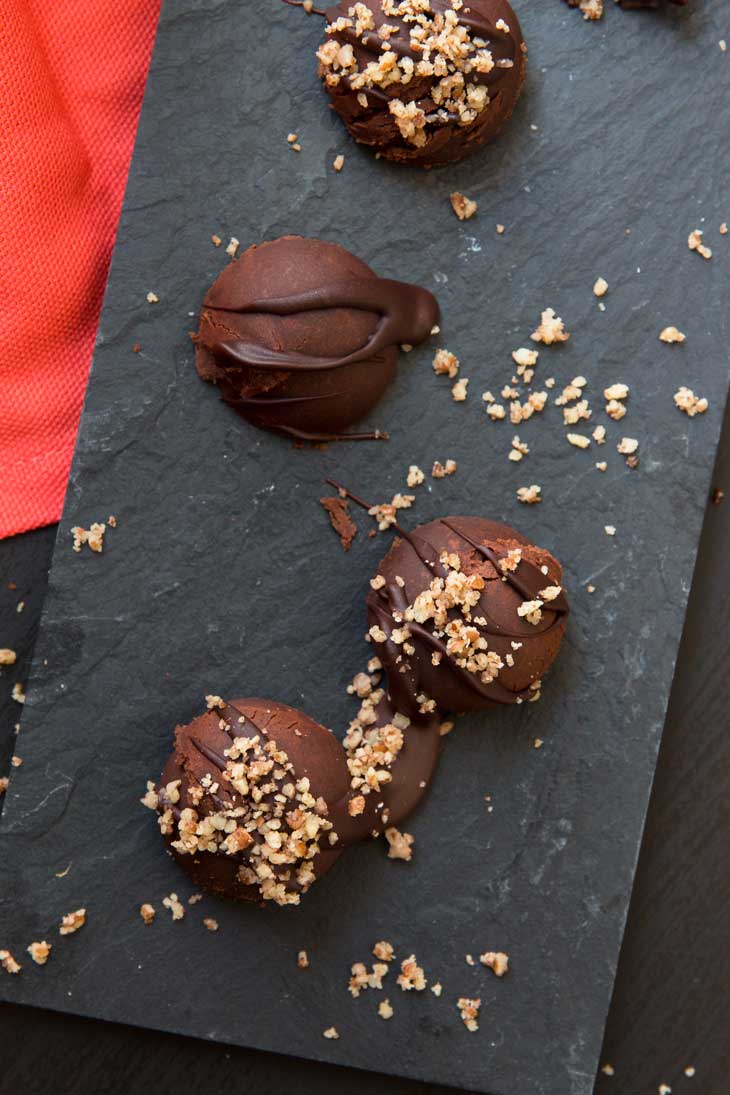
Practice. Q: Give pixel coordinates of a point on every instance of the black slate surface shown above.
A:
(223, 575)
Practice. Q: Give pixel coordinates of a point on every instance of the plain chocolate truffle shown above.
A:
(302, 338)
(243, 802)
(466, 613)
(423, 83)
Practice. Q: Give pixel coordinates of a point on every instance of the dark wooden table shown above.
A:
(671, 1004)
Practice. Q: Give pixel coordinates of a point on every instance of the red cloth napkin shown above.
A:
(72, 74)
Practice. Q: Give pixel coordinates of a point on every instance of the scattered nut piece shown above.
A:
(415, 477)
(444, 362)
(439, 470)
(18, 693)
(671, 334)
(175, 906)
(446, 728)
(383, 950)
(16, 761)
(529, 495)
(627, 446)
(610, 530)
(72, 921)
(94, 536)
(601, 465)
(233, 245)
(616, 391)
(458, 391)
(688, 402)
(216, 240)
(147, 912)
(210, 923)
(469, 1011)
(463, 207)
(331, 1032)
(690, 1070)
(608, 1070)
(579, 440)
(4, 784)
(339, 162)
(7, 657)
(694, 242)
(303, 960)
(385, 1011)
(8, 962)
(400, 844)
(600, 288)
(411, 975)
(496, 961)
(437, 988)
(551, 329)
(499, 229)
(39, 952)
(152, 298)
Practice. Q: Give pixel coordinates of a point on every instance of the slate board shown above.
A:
(224, 576)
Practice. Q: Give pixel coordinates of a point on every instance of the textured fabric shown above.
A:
(72, 74)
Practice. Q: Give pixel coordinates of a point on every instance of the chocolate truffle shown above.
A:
(423, 82)
(465, 613)
(302, 338)
(243, 801)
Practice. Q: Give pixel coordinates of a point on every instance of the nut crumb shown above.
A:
(458, 391)
(72, 921)
(463, 207)
(303, 960)
(175, 906)
(385, 1011)
(233, 245)
(147, 912)
(610, 530)
(411, 975)
(600, 287)
(210, 923)
(400, 844)
(339, 162)
(331, 1032)
(415, 476)
(529, 495)
(690, 1070)
(688, 402)
(94, 536)
(550, 330)
(578, 440)
(469, 1011)
(8, 962)
(216, 240)
(608, 1070)
(440, 471)
(384, 950)
(671, 334)
(16, 761)
(39, 952)
(627, 446)
(4, 784)
(694, 242)
(152, 298)
(437, 988)
(7, 657)
(497, 961)
(445, 363)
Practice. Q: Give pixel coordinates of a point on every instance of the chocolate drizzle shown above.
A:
(407, 314)
(308, 362)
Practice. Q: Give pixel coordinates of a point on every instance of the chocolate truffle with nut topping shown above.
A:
(302, 338)
(244, 800)
(465, 613)
(423, 82)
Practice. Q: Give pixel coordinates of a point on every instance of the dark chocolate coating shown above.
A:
(199, 751)
(414, 558)
(447, 139)
(302, 338)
